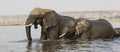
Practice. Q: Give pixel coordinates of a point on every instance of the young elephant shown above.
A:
(94, 29)
(117, 32)
(67, 28)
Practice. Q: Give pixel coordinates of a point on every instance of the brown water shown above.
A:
(13, 39)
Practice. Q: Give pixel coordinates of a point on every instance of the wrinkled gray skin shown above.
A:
(67, 27)
(94, 29)
(48, 20)
(52, 24)
(117, 32)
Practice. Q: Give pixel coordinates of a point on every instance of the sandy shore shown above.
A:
(22, 22)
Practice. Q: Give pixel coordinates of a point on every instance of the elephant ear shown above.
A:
(85, 23)
(51, 19)
(82, 26)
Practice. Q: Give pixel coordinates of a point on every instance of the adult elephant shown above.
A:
(52, 24)
(47, 18)
(94, 29)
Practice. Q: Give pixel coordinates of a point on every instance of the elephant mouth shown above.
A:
(79, 33)
(36, 27)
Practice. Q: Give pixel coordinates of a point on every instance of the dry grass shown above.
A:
(113, 20)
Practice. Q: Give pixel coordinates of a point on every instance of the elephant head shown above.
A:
(82, 25)
(68, 28)
(44, 17)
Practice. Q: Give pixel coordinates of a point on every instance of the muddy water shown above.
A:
(13, 39)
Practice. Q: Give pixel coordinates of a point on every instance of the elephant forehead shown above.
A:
(36, 11)
(80, 23)
(48, 10)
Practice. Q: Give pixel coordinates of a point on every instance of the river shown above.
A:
(13, 39)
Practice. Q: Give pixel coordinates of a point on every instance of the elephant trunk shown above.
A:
(35, 25)
(29, 22)
(28, 32)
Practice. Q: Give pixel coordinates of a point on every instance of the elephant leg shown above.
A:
(109, 36)
(43, 36)
(53, 33)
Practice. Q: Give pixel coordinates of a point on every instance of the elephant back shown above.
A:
(102, 26)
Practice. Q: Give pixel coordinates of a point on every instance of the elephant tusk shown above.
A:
(62, 35)
(77, 31)
(29, 24)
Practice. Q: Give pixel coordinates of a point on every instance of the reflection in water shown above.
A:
(74, 46)
(29, 46)
(50, 46)
(59, 46)
(15, 41)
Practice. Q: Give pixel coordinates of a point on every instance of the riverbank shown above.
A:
(113, 20)
(21, 22)
(18, 20)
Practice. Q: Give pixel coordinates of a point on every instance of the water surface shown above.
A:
(13, 39)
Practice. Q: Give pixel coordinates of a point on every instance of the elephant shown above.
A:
(67, 28)
(47, 19)
(94, 29)
(117, 32)
(52, 24)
